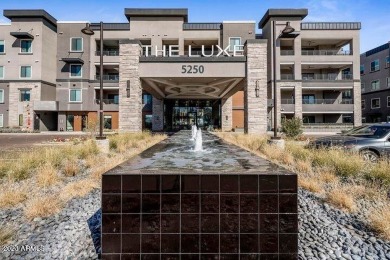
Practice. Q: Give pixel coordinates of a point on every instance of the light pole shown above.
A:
(88, 31)
(287, 30)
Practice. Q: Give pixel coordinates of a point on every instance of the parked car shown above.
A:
(371, 141)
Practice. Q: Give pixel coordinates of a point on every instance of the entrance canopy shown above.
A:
(191, 88)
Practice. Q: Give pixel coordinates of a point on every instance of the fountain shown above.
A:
(238, 202)
(194, 130)
(198, 141)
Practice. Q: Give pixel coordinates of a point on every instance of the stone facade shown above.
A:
(158, 115)
(227, 114)
(357, 104)
(25, 108)
(130, 105)
(256, 105)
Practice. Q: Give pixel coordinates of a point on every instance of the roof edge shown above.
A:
(30, 13)
(301, 12)
(157, 12)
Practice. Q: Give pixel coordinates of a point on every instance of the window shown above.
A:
(375, 65)
(25, 71)
(1, 72)
(1, 120)
(107, 122)
(2, 46)
(75, 95)
(363, 86)
(26, 46)
(388, 101)
(148, 119)
(308, 99)
(363, 120)
(347, 94)
(387, 62)
(309, 119)
(375, 85)
(1, 95)
(361, 69)
(76, 44)
(75, 71)
(233, 41)
(25, 95)
(363, 104)
(20, 119)
(347, 119)
(375, 103)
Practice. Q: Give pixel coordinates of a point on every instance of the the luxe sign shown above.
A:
(212, 51)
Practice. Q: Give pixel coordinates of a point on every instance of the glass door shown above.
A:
(192, 119)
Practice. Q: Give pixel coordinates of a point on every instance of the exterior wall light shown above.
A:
(257, 89)
(128, 89)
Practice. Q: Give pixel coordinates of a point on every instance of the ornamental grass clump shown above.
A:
(380, 172)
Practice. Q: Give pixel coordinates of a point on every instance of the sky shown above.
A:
(373, 14)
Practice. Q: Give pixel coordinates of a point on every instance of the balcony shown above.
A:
(287, 52)
(325, 52)
(325, 77)
(108, 101)
(108, 77)
(327, 106)
(287, 77)
(108, 53)
(287, 105)
(108, 104)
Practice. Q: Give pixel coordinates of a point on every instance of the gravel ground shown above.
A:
(325, 233)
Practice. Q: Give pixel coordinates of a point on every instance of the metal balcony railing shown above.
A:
(326, 101)
(108, 101)
(286, 52)
(287, 76)
(329, 76)
(108, 53)
(287, 101)
(107, 77)
(325, 52)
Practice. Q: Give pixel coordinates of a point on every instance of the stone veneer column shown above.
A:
(158, 114)
(130, 108)
(255, 108)
(227, 114)
(357, 104)
(26, 108)
(298, 100)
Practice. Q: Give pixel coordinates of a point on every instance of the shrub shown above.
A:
(340, 198)
(380, 172)
(10, 197)
(347, 165)
(70, 168)
(292, 127)
(380, 221)
(5, 235)
(42, 206)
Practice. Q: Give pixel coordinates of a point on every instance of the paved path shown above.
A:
(22, 141)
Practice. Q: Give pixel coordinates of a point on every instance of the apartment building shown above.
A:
(162, 72)
(375, 77)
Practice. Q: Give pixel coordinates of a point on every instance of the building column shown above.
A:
(227, 114)
(158, 114)
(298, 100)
(25, 108)
(357, 104)
(255, 106)
(130, 89)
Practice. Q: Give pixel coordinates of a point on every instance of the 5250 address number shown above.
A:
(192, 69)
